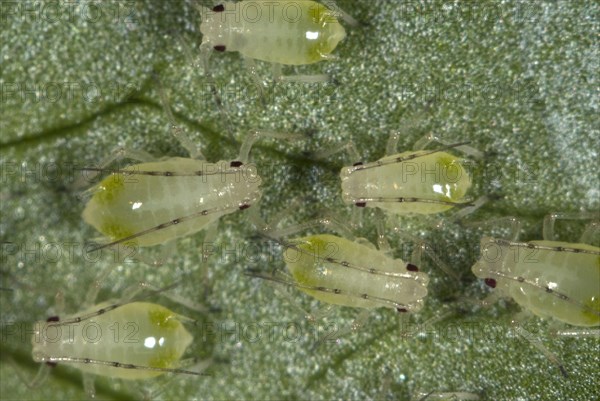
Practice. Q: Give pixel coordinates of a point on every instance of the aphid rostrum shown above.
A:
(280, 32)
(549, 278)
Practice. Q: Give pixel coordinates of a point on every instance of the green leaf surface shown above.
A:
(519, 80)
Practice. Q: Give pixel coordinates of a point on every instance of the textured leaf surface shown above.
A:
(517, 79)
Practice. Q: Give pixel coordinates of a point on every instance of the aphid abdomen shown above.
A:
(575, 276)
(437, 177)
(291, 33)
(124, 205)
(330, 262)
(138, 333)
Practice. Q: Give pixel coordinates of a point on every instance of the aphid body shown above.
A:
(419, 182)
(126, 342)
(283, 32)
(339, 271)
(152, 203)
(552, 279)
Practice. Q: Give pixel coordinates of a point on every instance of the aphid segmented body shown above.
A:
(421, 182)
(152, 203)
(136, 340)
(339, 271)
(551, 279)
(285, 32)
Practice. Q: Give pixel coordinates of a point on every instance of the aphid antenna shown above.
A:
(548, 290)
(413, 200)
(199, 173)
(152, 291)
(529, 245)
(57, 359)
(173, 222)
(401, 159)
(335, 291)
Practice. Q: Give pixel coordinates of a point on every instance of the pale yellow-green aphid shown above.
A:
(551, 279)
(153, 203)
(419, 182)
(342, 272)
(284, 32)
(136, 340)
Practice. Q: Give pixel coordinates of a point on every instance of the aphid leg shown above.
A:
(445, 396)
(549, 233)
(176, 130)
(304, 79)
(339, 13)
(382, 242)
(254, 135)
(161, 383)
(466, 149)
(421, 246)
(250, 65)
(349, 147)
(89, 386)
(326, 221)
(465, 211)
(516, 324)
(40, 377)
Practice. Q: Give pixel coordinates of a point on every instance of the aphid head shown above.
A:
(328, 34)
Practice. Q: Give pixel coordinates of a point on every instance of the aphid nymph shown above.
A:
(280, 32)
(549, 278)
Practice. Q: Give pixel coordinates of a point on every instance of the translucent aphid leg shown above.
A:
(161, 383)
(466, 149)
(304, 79)
(88, 385)
(188, 303)
(516, 324)
(40, 377)
(461, 213)
(176, 130)
(349, 147)
(577, 332)
(382, 243)
(254, 135)
(445, 396)
(549, 233)
(326, 221)
(339, 13)
(421, 246)
(250, 65)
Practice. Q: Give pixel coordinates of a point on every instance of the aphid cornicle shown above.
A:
(549, 278)
(281, 32)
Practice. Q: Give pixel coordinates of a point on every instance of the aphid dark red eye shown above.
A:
(51, 364)
(412, 268)
(219, 9)
(52, 319)
(402, 310)
(358, 164)
(490, 282)
(361, 204)
(235, 163)
(242, 207)
(219, 48)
